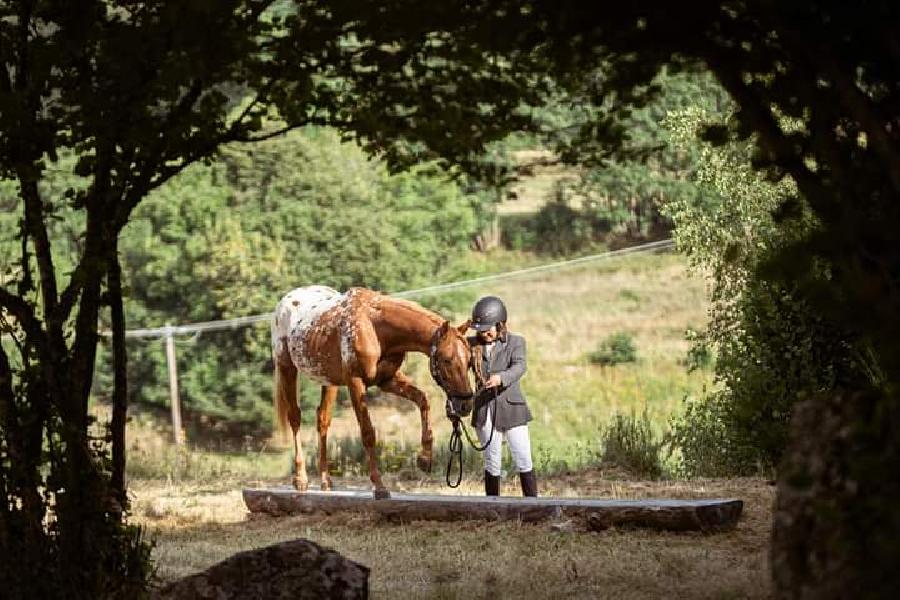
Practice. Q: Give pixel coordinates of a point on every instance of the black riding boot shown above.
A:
(491, 484)
(529, 483)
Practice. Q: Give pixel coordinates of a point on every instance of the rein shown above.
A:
(456, 445)
(459, 428)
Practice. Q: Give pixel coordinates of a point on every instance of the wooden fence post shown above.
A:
(173, 386)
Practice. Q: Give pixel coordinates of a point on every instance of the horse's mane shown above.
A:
(412, 306)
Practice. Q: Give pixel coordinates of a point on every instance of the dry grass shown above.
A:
(196, 526)
(563, 317)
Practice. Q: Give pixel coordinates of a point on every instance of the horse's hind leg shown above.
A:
(286, 402)
(357, 395)
(401, 385)
(323, 422)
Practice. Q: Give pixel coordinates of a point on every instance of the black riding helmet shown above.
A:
(487, 312)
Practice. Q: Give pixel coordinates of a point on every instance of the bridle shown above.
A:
(455, 415)
(454, 409)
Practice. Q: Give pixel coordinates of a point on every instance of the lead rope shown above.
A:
(456, 445)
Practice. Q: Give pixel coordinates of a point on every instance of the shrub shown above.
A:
(707, 443)
(699, 355)
(560, 229)
(617, 348)
(629, 442)
(782, 350)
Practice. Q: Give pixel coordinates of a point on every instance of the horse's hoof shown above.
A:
(301, 486)
(381, 494)
(326, 486)
(424, 463)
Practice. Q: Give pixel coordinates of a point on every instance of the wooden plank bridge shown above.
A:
(668, 514)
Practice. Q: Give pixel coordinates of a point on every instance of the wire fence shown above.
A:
(171, 330)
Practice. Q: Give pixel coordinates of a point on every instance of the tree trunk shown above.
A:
(836, 528)
(7, 407)
(120, 389)
(82, 512)
(677, 515)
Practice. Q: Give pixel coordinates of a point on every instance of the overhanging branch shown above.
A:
(860, 107)
(760, 117)
(24, 315)
(265, 136)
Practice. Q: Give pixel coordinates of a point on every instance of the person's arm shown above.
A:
(517, 366)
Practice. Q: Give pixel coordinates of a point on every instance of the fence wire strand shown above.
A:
(235, 323)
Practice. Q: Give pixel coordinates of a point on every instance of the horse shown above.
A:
(359, 339)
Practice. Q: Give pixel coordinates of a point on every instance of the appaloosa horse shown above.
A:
(359, 339)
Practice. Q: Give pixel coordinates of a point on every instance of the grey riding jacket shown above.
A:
(507, 359)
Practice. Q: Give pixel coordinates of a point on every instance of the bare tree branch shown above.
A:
(266, 136)
(70, 294)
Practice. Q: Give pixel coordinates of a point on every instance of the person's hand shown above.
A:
(493, 381)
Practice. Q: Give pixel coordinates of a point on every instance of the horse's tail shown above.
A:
(284, 395)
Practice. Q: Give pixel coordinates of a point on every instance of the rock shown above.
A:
(294, 569)
(567, 526)
(598, 523)
(836, 520)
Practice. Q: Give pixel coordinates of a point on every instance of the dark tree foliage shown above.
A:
(141, 90)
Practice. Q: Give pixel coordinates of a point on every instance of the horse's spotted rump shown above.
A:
(298, 320)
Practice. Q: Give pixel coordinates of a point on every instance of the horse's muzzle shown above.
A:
(459, 406)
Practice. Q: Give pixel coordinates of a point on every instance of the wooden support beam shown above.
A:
(678, 515)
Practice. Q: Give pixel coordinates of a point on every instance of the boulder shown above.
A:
(294, 569)
(837, 515)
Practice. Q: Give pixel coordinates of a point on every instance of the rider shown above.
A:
(500, 408)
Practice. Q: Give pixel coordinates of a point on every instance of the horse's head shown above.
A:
(450, 358)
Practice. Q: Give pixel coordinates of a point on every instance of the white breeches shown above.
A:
(517, 440)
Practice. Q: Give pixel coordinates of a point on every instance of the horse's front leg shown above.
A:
(323, 422)
(401, 385)
(358, 397)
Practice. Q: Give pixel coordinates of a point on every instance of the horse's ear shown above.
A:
(445, 327)
(464, 327)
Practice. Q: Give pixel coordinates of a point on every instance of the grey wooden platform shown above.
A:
(679, 515)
